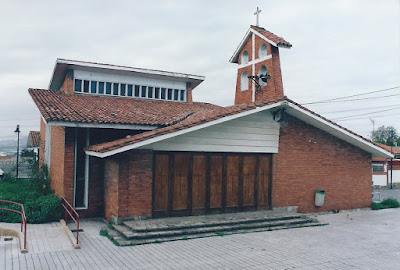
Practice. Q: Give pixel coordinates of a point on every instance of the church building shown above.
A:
(123, 142)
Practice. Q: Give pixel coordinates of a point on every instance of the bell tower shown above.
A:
(259, 70)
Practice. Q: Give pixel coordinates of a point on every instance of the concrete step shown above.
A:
(201, 221)
(129, 242)
(183, 228)
(130, 233)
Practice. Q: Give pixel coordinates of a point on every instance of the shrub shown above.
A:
(9, 177)
(386, 203)
(40, 203)
(390, 203)
(40, 178)
(38, 208)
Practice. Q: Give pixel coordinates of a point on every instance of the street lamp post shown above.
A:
(17, 131)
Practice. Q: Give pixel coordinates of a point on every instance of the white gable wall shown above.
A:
(255, 133)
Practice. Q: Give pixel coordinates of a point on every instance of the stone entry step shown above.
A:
(182, 228)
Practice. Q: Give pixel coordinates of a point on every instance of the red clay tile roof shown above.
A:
(279, 41)
(391, 149)
(82, 108)
(202, 117)
(34, 139)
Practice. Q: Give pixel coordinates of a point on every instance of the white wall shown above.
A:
(396, 176)
(256, 133)
(379, 180)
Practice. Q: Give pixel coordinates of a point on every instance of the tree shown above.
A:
(27, 153)
(385, 135)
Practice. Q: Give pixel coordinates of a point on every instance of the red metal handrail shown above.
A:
(23, 217)
(70, 212)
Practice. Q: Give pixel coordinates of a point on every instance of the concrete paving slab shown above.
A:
(354, 240)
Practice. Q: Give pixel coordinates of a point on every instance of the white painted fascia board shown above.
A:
(239, 48)
(52, 76)
(132, 69)
(184, 131)
(338, 132)
(90, 125)
(44, 120)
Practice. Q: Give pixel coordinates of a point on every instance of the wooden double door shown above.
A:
(187, 183)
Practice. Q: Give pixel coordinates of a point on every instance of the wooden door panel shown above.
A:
(199, 182)
(264, 173)
(216, 164)
(249, 175)
(180, 181)
(161, 173)
(232, 181)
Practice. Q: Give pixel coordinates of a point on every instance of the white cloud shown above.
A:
(339, 47)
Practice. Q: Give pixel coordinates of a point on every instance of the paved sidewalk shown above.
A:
(353, 240)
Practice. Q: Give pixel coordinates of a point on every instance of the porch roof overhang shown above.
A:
(292, 108)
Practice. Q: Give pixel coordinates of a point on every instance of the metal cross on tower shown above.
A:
(257, 14)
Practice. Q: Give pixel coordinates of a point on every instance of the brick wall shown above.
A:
(310, 159)
(68, 84)
(128, 181)
(57, 149)
(189, 97)
(274, 87)
(140, 183)
(69, 163)
(246, 95)
(42, 146)
(276, 75)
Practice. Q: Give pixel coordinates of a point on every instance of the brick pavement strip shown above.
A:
(354, 240)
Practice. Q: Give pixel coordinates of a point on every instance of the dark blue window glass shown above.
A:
(108, 88)
(78, 86)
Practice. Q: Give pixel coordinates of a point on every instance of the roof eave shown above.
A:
(235, 56)
(337, 131)
(62, 65)
(182, 131)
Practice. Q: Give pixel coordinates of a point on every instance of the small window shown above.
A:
(176, 94)
(123, 89)
(244, 81)
(262, 52)
(245, 58)
(169, 94)
(182, 95)
(115, 89)
(93, 87)
(150, 92)
(86, 86)
(137, 90)
(144, 91)
(78, 86)
(378, 168)
(163, 90)
(263, 71)
(157, 92)
(130, 90)
(101, 87)
(108, 88)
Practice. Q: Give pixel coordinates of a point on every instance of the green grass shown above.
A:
(104, 232)
(386, 203)
(220, 234)
(39, 207)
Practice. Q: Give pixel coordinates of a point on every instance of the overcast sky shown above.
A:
(340, 48)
